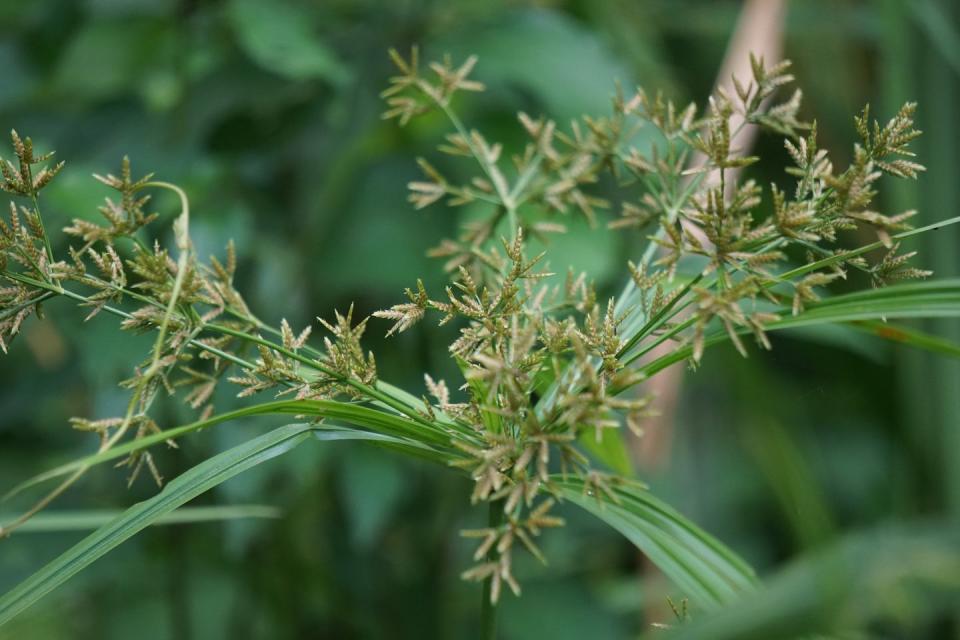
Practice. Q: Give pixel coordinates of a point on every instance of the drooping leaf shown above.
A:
(707, 572)
(378, 421)
(908, 336)
(876, 574)
(179, 491)
(940, 298)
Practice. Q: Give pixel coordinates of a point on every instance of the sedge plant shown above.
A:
(551, 372)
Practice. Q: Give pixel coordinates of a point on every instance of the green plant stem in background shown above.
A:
(488, 608)
(941, 93)
(61, 520)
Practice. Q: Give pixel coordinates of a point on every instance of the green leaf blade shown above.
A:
(706, 571)
(182, 489)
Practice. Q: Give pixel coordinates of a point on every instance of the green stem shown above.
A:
(497, 180)
(14, 310)
(367, 390)
(371, 392)
(46, 239)
(120, 313)
(182, 238)
(488, 608)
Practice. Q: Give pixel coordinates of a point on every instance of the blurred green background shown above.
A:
(268, 114)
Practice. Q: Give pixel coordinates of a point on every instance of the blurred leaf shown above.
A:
(888, 575)
(707, 572)
(278, 36)
(790, 478)
(941, 30)
(371, 485)
(566, 66)
(595, 251)
(15, 78)
(131, 7)
(910, 337)
(848, 337)
(106, 58)
(375, 230)
(636, 37)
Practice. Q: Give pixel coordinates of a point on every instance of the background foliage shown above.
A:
(268, 116)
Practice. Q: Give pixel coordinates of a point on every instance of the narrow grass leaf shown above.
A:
(179, 491)
(365, 417)
(707, 572)
(918, 300)
(843, 588)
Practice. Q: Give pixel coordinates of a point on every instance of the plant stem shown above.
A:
(36, 209)
(371, 392)
(488, 608)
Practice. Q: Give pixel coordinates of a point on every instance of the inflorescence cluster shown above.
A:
(543, 366)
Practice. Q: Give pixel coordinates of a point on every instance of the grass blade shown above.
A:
(909, 337)
(610, 449)
(412, 434)
(873, 246)
(179, 491)
(707, 572)
(919, 300)
(845, 587)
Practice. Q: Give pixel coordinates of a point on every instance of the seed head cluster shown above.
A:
(548, 369)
